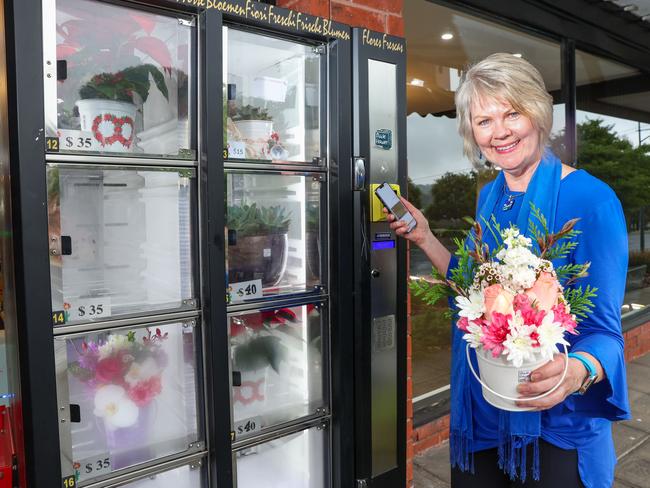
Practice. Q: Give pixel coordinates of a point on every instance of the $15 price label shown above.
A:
(245, 290)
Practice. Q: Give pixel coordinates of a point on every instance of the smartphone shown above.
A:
(394, 205)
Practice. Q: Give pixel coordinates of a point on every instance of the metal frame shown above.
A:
(33, 298)
(362, 54)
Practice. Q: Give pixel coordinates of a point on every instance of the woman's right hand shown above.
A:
(418, 236)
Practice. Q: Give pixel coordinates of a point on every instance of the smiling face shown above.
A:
(506, 137)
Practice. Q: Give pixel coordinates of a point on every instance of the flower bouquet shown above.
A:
(124, 374)
(513, 306)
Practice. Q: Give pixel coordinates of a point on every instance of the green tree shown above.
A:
(454, 196)
(414, 194)
(613, 159)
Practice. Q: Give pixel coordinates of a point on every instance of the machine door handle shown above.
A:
(359, 165)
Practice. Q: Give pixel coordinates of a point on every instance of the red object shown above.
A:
(6, 450)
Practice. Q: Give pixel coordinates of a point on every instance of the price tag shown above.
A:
(245, 290)
(92, 467)
(77, 140)
(248, 426)
(89, 309)
(237, 149)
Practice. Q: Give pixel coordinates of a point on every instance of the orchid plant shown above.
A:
(511, 300)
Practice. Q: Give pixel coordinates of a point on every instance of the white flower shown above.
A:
(473, 335)
(513, 239)
(141, 371)
(550, 333)
(114, 344)
(518, 344)
(471, 307)
(117, 410)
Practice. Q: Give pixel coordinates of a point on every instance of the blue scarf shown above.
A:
(517, 430)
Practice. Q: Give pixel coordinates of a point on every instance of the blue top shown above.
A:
(580, 422)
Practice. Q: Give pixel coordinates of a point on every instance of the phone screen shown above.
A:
(399, 210)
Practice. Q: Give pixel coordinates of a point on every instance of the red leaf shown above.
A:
(145, 22)
(154, 47)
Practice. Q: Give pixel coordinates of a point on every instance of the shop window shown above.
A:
(613, 127)
(442, 182)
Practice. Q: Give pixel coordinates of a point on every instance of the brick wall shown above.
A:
(378, 15)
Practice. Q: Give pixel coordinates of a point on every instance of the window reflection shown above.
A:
(443, 184)
(613, 126)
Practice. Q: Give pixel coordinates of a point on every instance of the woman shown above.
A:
(505, 116)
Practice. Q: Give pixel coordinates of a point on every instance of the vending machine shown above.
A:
(197, 293)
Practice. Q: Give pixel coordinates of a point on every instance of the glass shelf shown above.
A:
(120, 241)
(275, 243)
(132, 396)
(122, 81)
(277, 365)
(272, 98)
(294, 461)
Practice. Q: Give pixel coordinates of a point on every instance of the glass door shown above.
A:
(123, 235)
(277, 259)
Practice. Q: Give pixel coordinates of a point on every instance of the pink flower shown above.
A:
(531, 315)
(497, 300)
(545, 291)
(566, 319)
(145, 391)
(110, 370)
(462, 324)
(495, 333)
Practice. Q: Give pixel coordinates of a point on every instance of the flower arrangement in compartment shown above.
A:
(261, 342)
(512, 304)
(123, 373)
(107, 104)
(254, 126)
(257, 243)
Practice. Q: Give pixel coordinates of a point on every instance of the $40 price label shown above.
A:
(245, 290)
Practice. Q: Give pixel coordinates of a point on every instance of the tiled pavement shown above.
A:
(632, 440)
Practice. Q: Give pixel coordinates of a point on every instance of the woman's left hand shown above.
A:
(546, 377)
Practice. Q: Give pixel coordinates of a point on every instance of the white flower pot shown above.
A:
(255, 129)
(499, 378)
(111, 123)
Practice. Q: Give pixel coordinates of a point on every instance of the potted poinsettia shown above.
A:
(107, 104)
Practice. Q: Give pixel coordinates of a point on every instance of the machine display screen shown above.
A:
(379, 245)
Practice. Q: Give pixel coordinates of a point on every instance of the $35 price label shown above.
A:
(92, 467)
(90, 309)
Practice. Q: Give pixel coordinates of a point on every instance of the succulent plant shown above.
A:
(251, 220)
(250, 112)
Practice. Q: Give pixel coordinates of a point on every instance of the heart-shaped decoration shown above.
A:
(109, 129)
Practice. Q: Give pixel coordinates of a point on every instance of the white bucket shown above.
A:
(112, 123)
(499, 379)
(255, 129)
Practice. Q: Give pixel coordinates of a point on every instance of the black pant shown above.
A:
(558, 469)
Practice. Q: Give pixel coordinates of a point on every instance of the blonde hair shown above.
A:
(502, 76)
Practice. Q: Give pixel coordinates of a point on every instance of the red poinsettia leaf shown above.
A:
(144, 21)
(155, 48)
(286, 313)
(65, 50)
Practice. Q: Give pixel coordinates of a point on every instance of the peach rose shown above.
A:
(545, 292)
(497, 300)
